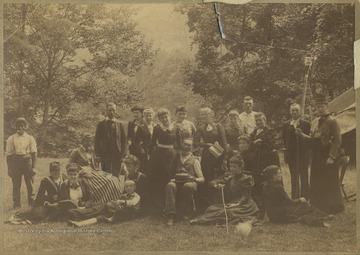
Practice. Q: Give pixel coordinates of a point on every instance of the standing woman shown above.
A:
(143, 137)
(325, 139)
(185, 127)
(233, 131)
(206, 136)
(161, 163)
(263, 139)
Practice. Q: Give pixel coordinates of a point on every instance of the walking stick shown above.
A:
(226, 217)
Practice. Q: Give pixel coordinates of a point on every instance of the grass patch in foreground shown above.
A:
(151, 234)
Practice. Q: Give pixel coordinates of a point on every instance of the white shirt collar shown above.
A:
(107, 118)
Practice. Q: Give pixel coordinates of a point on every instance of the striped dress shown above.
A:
(104, 186)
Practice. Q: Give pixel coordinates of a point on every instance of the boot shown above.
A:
(83, 223)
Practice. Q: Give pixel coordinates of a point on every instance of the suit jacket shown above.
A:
(48, 191)
(103, 140)
(64, 193)
(292, 149)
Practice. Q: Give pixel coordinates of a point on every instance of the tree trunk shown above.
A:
(21, 67)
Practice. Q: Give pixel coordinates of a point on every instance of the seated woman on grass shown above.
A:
(104, 186)
(281, 209)
(48, 194)
(237, 193)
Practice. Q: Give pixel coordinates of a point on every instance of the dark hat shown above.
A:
(321, 99)
(21, 120)
(137, 108)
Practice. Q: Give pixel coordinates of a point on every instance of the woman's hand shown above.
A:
(258, 141)
(298, 131)
(219, 186)
(232, 205)
(303, 200)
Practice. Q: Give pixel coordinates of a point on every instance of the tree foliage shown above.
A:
(263, 52)
(60, 55)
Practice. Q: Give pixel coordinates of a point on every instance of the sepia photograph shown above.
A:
(179, 127)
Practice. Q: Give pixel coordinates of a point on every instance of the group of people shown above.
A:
(178, 169)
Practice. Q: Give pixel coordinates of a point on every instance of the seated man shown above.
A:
(188, 166)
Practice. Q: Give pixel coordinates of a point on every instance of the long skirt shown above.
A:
(211, 168)
(161, 170)
(325, 192)
(216, 213)
(302, 212)
(104, 187)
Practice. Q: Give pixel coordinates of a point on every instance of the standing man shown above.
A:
(133, 125)
(297, 153)
(21, 158)
(247, 118)
(110, 142)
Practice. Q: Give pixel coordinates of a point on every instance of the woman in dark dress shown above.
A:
(237, 194)
(233, 131)
(142, 138)
(48, 193)
(162, 155)
(325, 140)
(206, 136)
(185, 127)
(263, 146)
(281, 209)
(247, 154)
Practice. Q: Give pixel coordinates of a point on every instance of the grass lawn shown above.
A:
(151, 234)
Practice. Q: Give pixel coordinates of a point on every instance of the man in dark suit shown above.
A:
(297, 153)
(110, 142)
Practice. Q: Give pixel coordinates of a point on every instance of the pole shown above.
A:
(226, 216)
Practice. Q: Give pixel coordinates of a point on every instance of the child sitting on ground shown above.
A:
(281, 209)
(130, 169)
(125, 208)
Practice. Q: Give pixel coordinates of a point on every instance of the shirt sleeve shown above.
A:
(32, 146)
(10, 150)
(199, 175)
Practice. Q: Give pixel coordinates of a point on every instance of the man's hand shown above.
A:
(33, 171)
(330, 161)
